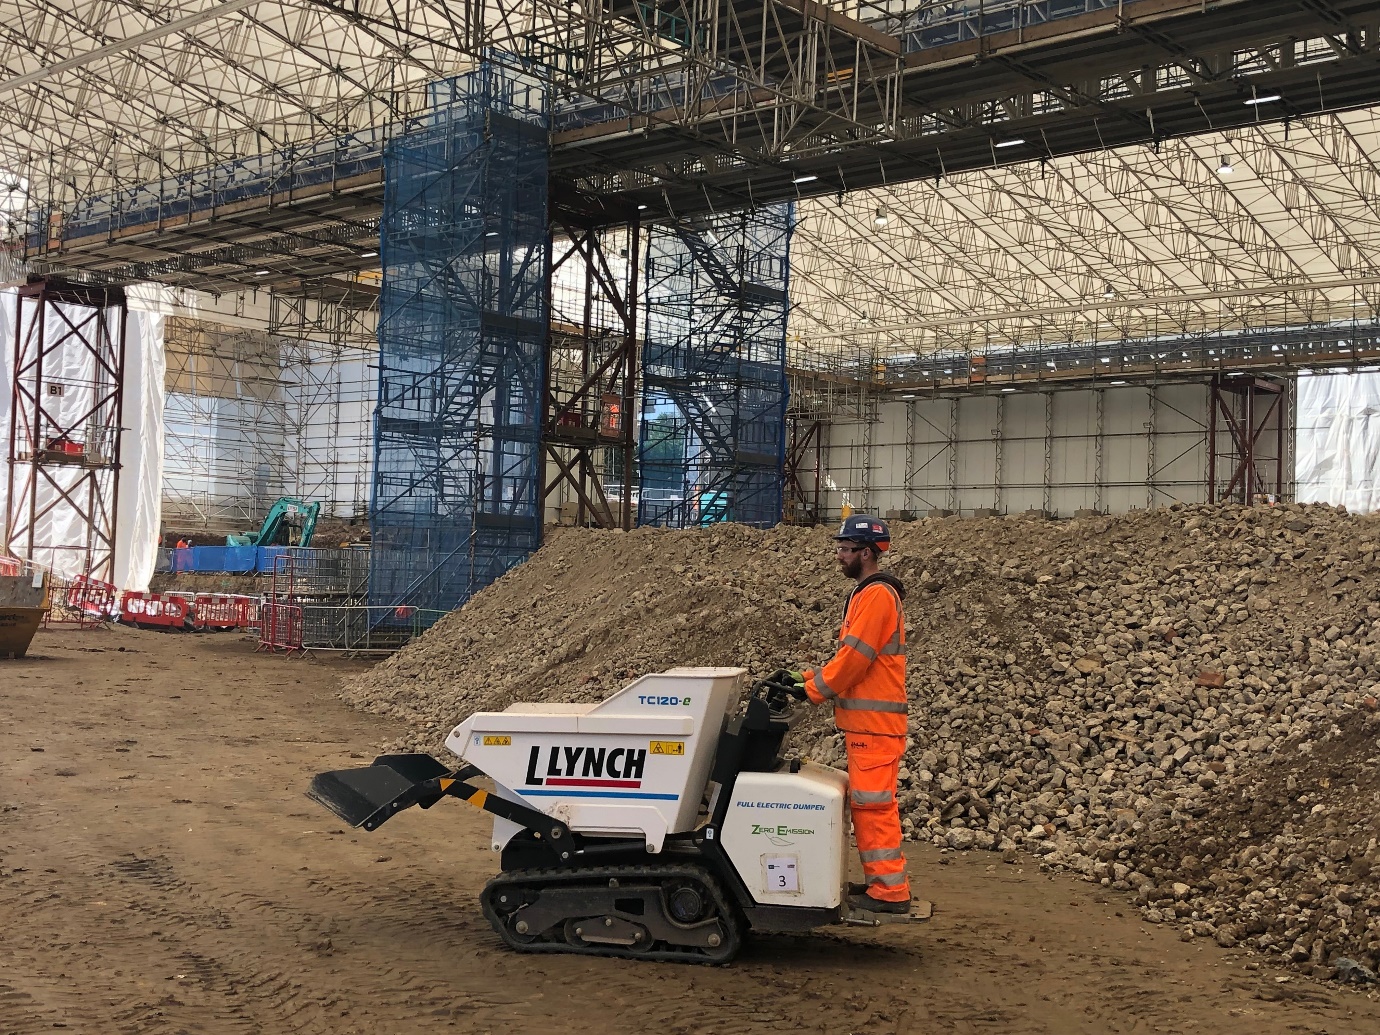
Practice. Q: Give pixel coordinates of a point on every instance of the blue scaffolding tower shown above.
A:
(463, 322)
(712, 438)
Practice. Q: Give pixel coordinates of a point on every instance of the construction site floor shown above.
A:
(162, 872)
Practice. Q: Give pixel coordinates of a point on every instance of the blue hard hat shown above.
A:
(864, 528)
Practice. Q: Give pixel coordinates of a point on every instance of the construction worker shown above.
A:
(866, 682)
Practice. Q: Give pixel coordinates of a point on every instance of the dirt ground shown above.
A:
(162, 872)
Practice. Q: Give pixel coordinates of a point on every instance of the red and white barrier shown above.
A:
(92, 597)
(164, 609)
(224, 611)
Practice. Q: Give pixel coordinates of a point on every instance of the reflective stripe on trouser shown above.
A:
(874, 763)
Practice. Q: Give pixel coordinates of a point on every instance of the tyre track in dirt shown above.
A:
(180, 884)
(207, 939)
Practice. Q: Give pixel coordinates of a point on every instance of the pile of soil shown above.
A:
(1090, 690)
(208, 582)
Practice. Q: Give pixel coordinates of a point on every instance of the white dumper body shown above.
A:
(661, 824)
(638, 765)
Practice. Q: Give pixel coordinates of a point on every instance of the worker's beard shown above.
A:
(852, 564)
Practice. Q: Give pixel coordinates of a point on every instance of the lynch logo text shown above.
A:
(584, 766)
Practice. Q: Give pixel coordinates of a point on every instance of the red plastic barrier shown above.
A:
(92, 596)
(155, 609)
(67, 600)
(10, 566)
(224, 611)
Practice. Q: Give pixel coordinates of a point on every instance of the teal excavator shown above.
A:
(289, 522)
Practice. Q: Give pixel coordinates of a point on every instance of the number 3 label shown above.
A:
(783, 873)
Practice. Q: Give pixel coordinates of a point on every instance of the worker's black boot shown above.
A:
(876, 905)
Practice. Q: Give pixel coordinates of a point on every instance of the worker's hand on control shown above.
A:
(783, 685)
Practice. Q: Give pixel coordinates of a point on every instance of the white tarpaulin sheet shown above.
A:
(61, 537)
(1337, 450)
(141, 480)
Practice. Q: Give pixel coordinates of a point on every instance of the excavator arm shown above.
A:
(309, 515)
(284, 508)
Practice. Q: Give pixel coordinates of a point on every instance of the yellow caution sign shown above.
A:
(668, 747)
(498, 742)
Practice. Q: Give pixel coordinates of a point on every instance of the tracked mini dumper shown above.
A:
(663, 823)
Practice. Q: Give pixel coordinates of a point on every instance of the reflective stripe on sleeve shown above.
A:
(871, 797)
(823, 687)
(880, 854)
(857, 704)
(861, 647)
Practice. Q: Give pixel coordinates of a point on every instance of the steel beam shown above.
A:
(802, 499)
(1246, 406)
(755, 101)
(592, 361)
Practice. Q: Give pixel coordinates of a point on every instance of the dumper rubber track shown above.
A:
(672, 912)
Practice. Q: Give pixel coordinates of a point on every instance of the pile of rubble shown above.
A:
(1283, 856)
(1110, 693)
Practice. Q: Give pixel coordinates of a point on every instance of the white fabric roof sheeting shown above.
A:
(1275, 225)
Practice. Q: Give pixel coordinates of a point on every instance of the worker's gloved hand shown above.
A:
(784, 685)
(787, 677)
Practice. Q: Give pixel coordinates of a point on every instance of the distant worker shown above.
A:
(866, 681)
(182, 544)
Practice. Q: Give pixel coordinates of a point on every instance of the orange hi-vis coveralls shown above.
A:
(866, 681)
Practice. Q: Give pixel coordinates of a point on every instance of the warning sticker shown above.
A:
(498, 742)
(668, 747)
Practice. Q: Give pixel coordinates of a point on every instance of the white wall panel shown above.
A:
(977, 457)
(1074, 452)
(1149, 448)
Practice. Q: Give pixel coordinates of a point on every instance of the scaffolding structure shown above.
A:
(681, 107)
(827, 393)
(937, 23)
(1255, 412)
(462, 335)
(250, 417)
(712, 441)
(67, 402)
(1061, 450)
(591, 376)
